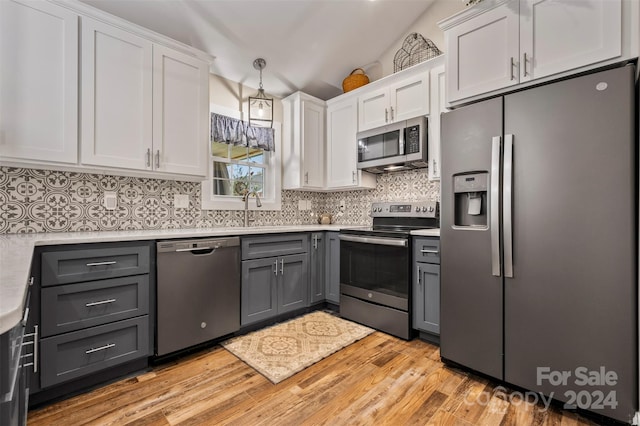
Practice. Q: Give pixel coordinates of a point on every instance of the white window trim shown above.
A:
(274, 181)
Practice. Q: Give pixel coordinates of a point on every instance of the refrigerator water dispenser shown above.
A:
(470, 199)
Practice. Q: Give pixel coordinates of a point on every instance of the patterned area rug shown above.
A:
(282, 350)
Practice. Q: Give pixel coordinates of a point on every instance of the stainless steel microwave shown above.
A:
(398, 146)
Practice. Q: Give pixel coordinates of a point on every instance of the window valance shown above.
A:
(237, 132)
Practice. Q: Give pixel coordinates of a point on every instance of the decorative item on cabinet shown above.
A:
(353, 80)
(260, 107)
(415, 49)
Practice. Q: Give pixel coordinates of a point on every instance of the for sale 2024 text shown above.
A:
(596, 399)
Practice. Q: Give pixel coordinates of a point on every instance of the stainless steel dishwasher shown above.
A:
(198, 291)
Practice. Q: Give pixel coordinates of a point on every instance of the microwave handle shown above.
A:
(401, 141)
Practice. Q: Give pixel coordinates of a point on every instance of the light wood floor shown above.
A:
(376, 381)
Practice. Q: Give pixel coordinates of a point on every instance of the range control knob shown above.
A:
(431, 209)
(417, 209)
(424, 209)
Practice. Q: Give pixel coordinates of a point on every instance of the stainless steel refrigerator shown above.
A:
(539, 240)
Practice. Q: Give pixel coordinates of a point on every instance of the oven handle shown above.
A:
(397, 242)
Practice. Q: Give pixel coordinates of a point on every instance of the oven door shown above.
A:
(376, 269)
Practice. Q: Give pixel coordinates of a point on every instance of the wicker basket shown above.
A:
(353, 81)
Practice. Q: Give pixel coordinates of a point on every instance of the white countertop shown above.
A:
(16, 251)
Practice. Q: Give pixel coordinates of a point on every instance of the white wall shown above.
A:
(232, 95)
(427, 26)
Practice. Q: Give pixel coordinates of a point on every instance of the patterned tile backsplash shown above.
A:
(51, 201)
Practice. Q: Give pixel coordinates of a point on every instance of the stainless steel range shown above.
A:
(375, 266)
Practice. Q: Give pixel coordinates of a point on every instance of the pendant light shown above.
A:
(260, 107)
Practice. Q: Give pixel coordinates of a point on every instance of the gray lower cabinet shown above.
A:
(426, 285)
(94, 309)
(273, 285)
(317, 268)
(332, 267)
(76, 354)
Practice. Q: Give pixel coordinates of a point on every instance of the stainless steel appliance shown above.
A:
(198, 291)
(375, 266)
(397, 146)
(538, 240)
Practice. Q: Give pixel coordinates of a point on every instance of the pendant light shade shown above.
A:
(260, 107)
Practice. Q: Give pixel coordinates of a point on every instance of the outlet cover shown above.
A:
(302, 205)
(110, 200)
(181, 201)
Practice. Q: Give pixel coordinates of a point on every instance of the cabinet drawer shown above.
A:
(72, 355)
(274, 245)
(426, 249)
(63, 267)
(75, 306)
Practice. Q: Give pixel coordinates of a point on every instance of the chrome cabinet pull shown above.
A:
(157, 159)
(507, 199)
(495, 205)
(386, 116)
(353, 176)
(513, 64)
(525, 64)
(110, 262)
(429, 251)
(306, 177)
(30, 281)
(281, 266)
(102, 302)
(148, 157)
(275, 271)
(391, 113)
(101, 348)
(419, 278)
(435, 167)
(34, 354)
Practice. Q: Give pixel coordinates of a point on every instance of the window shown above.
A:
(235, 168)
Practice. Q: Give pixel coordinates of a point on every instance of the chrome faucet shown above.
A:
(245, 198)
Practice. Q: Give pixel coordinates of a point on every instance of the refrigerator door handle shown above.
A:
(507, 202)
(495, 206)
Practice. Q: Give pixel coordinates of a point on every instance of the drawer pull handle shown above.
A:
(102, 302)
(111, 262)
(101, 348)
(429, 251)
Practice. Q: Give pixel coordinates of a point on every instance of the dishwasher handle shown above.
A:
(196, 246)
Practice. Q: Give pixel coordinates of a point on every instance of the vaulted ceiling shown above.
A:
(309, 45)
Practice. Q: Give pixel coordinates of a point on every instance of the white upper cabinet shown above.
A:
(482, 53)
(401, 100)
(303, 151)
(342, 154)
(180, 112)
(501, 43)
(438, 106)
(117, 81)
(592, 33)
(38, 82)
(144, 106)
